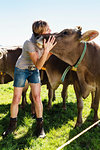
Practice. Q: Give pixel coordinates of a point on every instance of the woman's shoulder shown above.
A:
(28, 46)
(28, 43)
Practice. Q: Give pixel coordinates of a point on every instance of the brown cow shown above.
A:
(52, 75)
(8, 58)
(69, 49)
(54, 69)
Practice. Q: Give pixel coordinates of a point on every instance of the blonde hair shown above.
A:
(39, 27)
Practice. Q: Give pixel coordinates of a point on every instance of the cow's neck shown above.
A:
(92, 58)
(69, 54)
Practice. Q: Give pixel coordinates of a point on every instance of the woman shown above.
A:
(27, 68)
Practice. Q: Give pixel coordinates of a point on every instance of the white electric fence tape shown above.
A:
(75, 137)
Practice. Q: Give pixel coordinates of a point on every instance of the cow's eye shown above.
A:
(65, 33)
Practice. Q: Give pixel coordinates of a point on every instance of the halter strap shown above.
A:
(74, 68)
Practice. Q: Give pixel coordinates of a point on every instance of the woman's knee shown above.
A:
(16, 99)
(37, 99)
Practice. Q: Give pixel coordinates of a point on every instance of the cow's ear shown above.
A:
(89, 35)
(39, 42)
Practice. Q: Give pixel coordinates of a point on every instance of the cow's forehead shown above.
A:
(70, 31)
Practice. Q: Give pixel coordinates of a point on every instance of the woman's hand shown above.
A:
(49, 44)
(47, 47)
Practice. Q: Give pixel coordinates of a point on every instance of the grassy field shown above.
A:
(59, 124)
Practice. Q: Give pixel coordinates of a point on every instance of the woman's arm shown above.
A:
(47, 47)
(49, 54)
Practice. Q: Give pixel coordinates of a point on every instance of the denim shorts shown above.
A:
(21, 75)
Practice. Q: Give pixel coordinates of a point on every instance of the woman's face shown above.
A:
(48, 30)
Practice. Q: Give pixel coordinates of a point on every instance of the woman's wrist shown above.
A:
(46, 51)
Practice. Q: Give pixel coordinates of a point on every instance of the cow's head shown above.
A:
(69, 43)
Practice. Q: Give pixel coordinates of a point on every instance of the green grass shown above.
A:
(59, 124)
